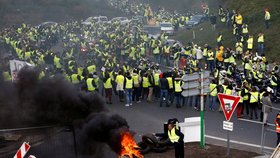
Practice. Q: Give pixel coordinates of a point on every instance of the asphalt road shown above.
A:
(149, 118)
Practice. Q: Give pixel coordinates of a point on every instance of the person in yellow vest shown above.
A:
(151, 85)
(136, 86)
(107, 82)
(245, 30)
(245, 93)
(274, 85)
(254, 100)
(211, 60)
(120, 84)
(266, 18)
(170, 87)
(213, 95)
(166, 54)
(239, 20)
(177, 91)
(96, 81)
(128, 86)
(277, 127)
(156, 53)
(145, 86)
(261, 43)
(177, 138)
(250, 43)
(239, 49)
(156, 82)
(90, 84)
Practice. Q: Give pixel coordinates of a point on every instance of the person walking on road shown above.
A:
(266, 18)
(164, 87)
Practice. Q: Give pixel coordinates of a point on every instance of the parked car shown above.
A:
(97, 19)
(167, 28)
(152, 31)
(122, 20)
(195, 20)
(47, 24)
(138, 19)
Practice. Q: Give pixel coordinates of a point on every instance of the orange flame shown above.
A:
(129, 146)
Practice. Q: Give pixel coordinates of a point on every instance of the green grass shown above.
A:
(252, 12)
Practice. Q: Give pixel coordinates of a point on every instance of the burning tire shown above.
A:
(144, 148)
(150, 140)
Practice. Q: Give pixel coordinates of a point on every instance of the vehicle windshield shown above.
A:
(103, 19)
(166, 25)
(152, 30)
(196, 18)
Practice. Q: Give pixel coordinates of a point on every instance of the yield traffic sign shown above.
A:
(228, 103)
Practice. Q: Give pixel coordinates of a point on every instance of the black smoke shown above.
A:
(54, 101)
(101, 131)
(50, 101)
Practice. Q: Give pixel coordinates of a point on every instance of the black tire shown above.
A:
(150, 140)
(164, 142)
(159, 149)
(144, 148)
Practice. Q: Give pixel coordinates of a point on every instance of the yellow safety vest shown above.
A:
(108, 84)
(146, 82)
(135, 79)
(213, 89)
(254, 97)
(156, 78)
(170, 83)
(156, 50)
(261, 39)
(246, 96)
(241, 98)
(173, 136)
(250, 42)
(90, 86)
(210, 55)
(219, 39)
(91, 69)
(74, 79)
(178, 87)
(128, 84)
(272, 82)
(120, 79)
(7, 76)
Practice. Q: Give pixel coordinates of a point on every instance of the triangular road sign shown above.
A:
(228, 103)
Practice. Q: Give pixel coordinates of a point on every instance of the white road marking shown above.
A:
(238, 142)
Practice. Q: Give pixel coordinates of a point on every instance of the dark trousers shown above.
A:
(253, 110)
(179, 150)
(278, 138)
(136, 93)
(246, 107)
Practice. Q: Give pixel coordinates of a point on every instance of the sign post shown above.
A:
(202, 139)
(194, 85)
(228, 104)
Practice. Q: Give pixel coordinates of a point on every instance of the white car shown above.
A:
(121, 20)
(97, 20)
(167, 28)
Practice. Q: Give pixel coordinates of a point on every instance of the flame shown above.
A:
(129, 147)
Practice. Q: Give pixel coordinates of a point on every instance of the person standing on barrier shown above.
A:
(277, 130)
(177, 138)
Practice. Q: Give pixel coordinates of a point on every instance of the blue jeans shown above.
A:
(177, 98)
(211, 65)
(212, 104)
(261, 48)
(128, 96)
(163, 93)
(157, 58)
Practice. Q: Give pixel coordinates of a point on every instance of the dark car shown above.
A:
(195, 20)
